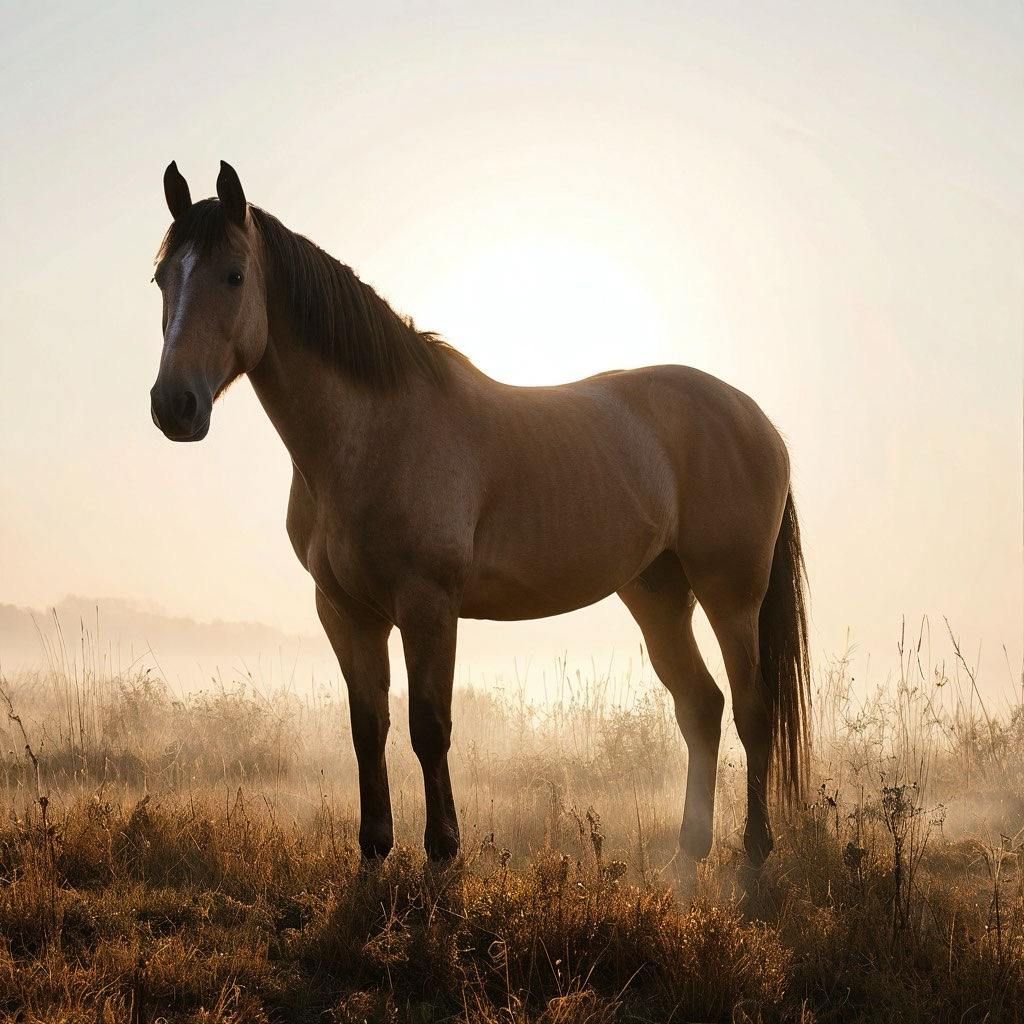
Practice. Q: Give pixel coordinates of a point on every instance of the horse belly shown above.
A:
(581, 498)
(516, 579)
(512, 600)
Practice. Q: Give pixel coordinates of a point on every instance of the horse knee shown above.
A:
(370, 727)
(699, 710)
(752, 713)
(430, 730)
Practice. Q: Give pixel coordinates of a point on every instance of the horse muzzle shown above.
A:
(181, 411)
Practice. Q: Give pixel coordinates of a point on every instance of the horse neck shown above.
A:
(323, 418)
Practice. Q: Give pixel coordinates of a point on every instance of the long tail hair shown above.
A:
(785, 664)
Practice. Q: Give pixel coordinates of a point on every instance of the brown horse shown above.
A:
(423, 491)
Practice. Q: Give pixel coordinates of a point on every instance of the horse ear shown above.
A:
(179, 202)
(229, 192)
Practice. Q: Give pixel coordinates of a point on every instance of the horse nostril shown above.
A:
(185, 407)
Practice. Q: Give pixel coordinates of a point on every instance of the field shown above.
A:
(194, 859)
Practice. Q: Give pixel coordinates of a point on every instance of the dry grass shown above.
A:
(194, 860)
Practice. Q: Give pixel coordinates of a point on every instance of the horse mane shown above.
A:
(335, 314)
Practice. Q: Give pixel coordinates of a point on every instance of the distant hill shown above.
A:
(116, 635)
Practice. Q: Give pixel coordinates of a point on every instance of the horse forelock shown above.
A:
(203, 228)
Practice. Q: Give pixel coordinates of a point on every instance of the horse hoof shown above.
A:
(683, 873)
(695, 843)
(442, 849)
(758, 845)
(374, 850)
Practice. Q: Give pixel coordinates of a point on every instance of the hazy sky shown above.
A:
(822, 203)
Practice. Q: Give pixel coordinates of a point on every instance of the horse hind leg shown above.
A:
(734, 616)
(662, 604)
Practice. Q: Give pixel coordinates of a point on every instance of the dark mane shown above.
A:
(337, 316)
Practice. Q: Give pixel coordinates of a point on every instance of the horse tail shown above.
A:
(785, 663)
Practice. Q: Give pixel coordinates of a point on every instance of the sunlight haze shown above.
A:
(831, 223)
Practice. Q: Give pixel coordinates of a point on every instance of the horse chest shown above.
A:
(351, 561)
(320, 543)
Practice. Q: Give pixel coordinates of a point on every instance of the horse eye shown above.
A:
(234, 278)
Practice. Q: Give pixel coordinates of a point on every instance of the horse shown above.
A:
(423, 491)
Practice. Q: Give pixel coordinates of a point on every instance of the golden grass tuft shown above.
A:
(152, 870)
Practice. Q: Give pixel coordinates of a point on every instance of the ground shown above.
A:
(195, 860)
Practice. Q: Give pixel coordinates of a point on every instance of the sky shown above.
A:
(821, 203)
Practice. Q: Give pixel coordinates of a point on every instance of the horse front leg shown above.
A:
(361, 645)
(428, 621)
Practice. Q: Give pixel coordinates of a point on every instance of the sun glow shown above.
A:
(542, 310)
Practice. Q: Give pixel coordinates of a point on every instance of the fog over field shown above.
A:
(120, 636)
